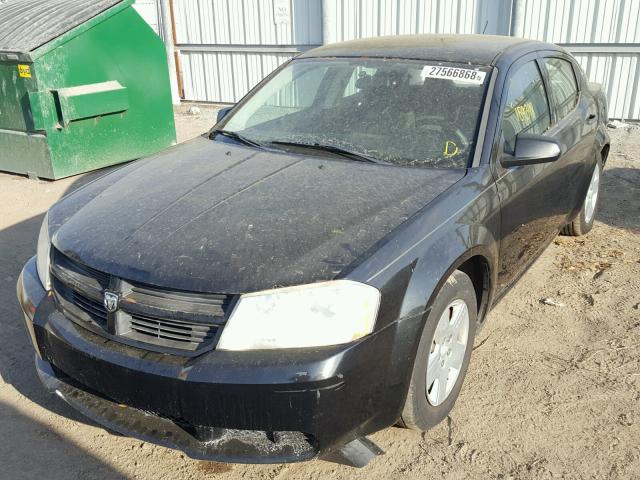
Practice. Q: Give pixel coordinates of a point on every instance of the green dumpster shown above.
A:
(83, 84)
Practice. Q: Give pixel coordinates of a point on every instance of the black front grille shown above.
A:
(170, 304)
(90, 306)
(88, 311)
(156, 318)
(172, 332)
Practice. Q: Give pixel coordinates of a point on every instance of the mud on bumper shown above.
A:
(227, 445)
(240, 407)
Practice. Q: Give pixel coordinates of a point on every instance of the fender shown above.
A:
(462, 222)
(429, 275)
(423, 266)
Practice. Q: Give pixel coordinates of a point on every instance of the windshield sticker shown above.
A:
(461, 75)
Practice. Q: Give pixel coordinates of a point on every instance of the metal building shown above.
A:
(149, 10)
(226, 46)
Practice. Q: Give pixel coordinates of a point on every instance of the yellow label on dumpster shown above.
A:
(24, 71)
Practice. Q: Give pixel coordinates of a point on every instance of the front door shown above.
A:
(535, 199)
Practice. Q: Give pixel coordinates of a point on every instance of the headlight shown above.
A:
(314, 315)
(43, 254)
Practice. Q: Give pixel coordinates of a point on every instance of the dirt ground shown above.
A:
(552, 391)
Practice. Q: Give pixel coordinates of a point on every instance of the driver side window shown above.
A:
(527, 108)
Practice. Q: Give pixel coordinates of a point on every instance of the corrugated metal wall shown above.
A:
(148, 9)
(582, 21)
(246, 22)
(227, 46)
(619, 74)
(225, 76)
(369, 18)
(604, 36)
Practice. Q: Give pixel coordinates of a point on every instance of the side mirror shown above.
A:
(223, 113)
(531, 150)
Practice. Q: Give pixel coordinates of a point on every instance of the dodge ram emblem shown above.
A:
(110, 301)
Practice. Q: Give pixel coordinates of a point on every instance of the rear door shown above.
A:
(576, 122)
(535, 199)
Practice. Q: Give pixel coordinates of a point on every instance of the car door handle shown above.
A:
(591, 117)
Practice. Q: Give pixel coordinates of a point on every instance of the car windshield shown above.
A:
(404, 112)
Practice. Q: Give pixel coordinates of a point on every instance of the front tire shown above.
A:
(443, 354)
(583, 223)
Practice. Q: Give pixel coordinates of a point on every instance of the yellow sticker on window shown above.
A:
(24, 71)
(525, 113)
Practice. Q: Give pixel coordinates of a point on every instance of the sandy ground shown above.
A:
(552, 391)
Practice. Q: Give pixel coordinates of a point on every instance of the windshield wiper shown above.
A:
(237, 136)
(360, 157)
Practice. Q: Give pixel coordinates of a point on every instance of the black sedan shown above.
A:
(316, 267)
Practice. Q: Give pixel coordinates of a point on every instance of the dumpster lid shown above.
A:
(28, 24)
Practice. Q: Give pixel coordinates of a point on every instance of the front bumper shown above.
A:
(224, 444)
(241, 407)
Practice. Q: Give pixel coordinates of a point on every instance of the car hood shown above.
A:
(212, 217)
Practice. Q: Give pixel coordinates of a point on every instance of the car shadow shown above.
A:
(619, 203)
(57, 456)
(17, 245)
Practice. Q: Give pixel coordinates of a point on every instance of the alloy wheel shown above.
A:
(591, 199)
(448, 348)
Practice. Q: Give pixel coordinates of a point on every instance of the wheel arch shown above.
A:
(478, 269)
(436, 264)
(603, 143)
(478, 264)
(604, 152)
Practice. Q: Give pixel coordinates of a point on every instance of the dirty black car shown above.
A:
(316, 267)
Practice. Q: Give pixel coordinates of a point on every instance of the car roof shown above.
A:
(473, 49)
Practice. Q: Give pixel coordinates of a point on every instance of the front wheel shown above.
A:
(583, 222)
(443, 354)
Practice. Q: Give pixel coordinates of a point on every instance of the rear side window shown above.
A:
(563, 85)
(527, 108)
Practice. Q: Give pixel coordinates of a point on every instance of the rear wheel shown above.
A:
(583, 222)
(443, 354)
